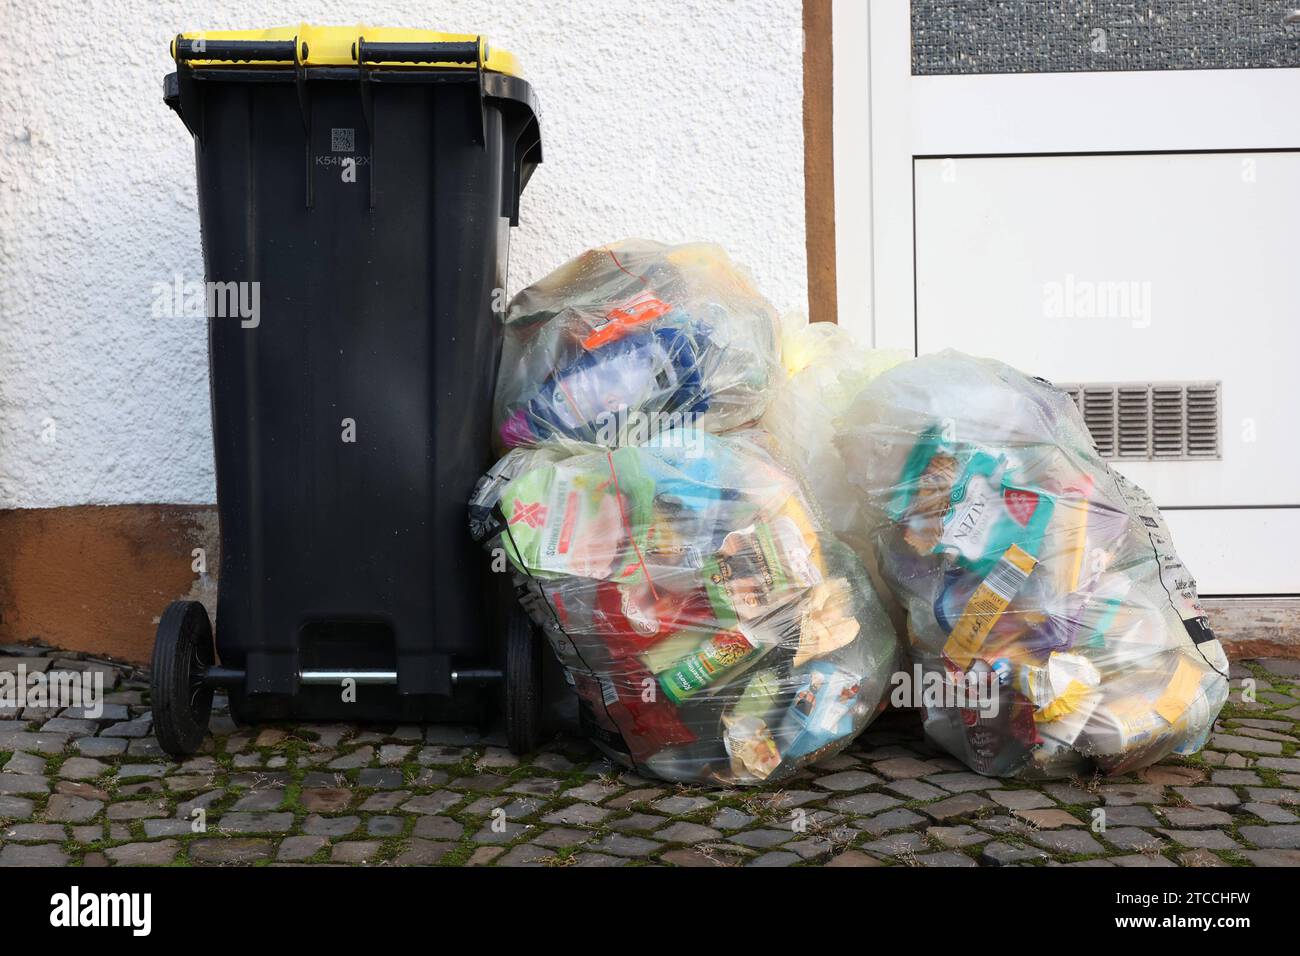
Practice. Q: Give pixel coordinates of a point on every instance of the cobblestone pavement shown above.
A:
(100, 792)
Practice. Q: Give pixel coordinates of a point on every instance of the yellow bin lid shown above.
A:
(336, 46)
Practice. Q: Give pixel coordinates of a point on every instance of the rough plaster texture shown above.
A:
(672, 119)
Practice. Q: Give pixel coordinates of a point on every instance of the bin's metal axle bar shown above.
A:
(231, 677)
(337, 677)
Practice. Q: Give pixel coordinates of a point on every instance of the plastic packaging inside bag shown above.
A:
(711, 627)
(1051, 622)
(631, 339)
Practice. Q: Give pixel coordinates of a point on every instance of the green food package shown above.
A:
(567, 519)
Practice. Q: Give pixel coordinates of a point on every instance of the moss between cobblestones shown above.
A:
(54, 762)
(1268, 778)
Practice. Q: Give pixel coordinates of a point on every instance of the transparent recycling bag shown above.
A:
(1052, 626)
(825, 369)
(713, 631)
(632, 339)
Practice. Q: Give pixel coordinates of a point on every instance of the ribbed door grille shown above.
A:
(1152, 421)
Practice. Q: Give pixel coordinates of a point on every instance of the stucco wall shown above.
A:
(673, 119)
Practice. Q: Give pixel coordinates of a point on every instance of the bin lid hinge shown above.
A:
(300, 52)
(482, 94)
(189, 103)
(367, 108)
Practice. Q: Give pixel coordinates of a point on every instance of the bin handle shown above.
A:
(237, 51)
(417, 52)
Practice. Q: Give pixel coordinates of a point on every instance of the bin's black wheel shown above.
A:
(523, 685)
(182, 652)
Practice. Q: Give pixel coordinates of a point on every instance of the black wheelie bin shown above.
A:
(356, 190)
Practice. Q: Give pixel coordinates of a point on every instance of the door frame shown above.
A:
(960, 116)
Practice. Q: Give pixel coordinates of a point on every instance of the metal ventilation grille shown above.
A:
(1154, 421)
(1204, 413)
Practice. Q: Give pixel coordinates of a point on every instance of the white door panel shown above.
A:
(1189, 260)
(1239, 551)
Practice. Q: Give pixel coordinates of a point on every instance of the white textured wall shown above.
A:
(671, 119)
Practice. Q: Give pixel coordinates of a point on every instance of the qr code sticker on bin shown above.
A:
(343, 140)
